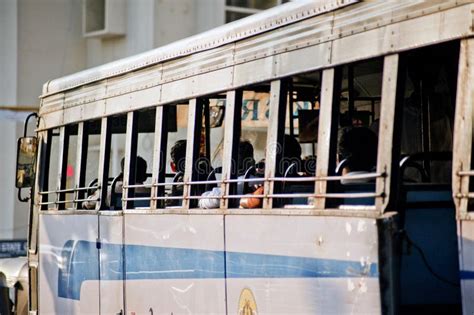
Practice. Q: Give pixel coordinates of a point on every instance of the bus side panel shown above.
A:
(68, 264)
(466, 246)
(302, 265)
(174, 264)
(111, 264)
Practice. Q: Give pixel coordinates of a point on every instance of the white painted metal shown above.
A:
(59, 237)
(253, 25)
(324, 134)
(328, 242)
(387, 114)
(162, 287)
(111, 262)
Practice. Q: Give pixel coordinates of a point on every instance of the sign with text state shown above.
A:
(12, 248)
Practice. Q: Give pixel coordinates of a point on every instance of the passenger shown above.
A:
(140, 178)
(177, 164)
(309, 165)
(359, 146)
(245, 161)
(291, 155)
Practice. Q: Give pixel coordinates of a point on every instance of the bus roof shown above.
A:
(250, 26)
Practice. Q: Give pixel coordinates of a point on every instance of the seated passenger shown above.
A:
(289, 166)
(244, 162)
(291, 156)
(177, 164)
(140, 178)
(359, 146)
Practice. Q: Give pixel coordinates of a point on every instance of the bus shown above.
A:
(314, 158)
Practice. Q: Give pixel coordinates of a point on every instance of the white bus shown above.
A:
(311, 159)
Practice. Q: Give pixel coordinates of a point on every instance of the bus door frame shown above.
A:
(462, 169)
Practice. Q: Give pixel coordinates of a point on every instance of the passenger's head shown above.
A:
(359, 146)
(245, 159)
(291, 148)
(140, 173)
(178, 156)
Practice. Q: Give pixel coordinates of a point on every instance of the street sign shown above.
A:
(12, 248)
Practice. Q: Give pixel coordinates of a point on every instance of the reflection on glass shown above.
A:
(25, 173)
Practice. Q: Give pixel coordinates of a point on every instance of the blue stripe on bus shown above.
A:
(79, 259)
(466, 275)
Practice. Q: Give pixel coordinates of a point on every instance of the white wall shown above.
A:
(8, 95)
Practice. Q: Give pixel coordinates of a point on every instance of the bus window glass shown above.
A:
(118, 126)
(249, 160)
(93, 129)
(298, 158)
(144, 162)
(175, 155)
(70, 167)
(209, 164)
(53, 170)
(357, 135)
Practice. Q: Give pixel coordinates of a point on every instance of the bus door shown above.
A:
(429, 276)
(68, 278)
(463, 172)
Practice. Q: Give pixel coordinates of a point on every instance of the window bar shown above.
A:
(62, 166)
(44, 165)
(103, 172)
(207, 129)
(231, 142)
(81, 159)
(276, 131)
(192, 147)
(388, 118)
(129, 171)
(159, 155)
(327, 126)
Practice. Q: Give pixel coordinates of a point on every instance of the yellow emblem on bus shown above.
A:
(247, 304)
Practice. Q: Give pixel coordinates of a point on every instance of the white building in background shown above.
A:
(46, 39)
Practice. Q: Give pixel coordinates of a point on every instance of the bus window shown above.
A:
(67, 199)
(92, 130)
(298, 163)
(118, 126)
(248, 136)
(49, 171)
(357, 121)
(209, 163)
(141, 179)
(174, 157)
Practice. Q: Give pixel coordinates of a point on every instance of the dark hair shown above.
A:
(291, 147)
(359, 146)
(245, 159)
(178, 155)
(140, 172)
